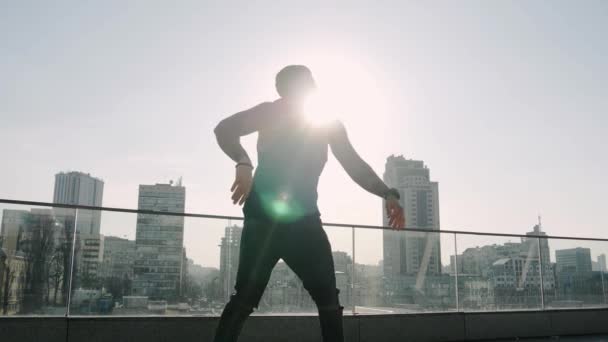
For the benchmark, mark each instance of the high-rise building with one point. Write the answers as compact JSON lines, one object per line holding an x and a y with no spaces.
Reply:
{"x":229,"y":258}
{"x":573,"y":260}
{"x":574,"y":272}
{"x":159,"y":241}
{"x":532,"y":251}
{"x":601,"y":261}
{"x":412,"y":253}
{"x":79,"y":188}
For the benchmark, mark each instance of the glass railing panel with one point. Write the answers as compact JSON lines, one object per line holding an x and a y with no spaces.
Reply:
{"x":498,"y":273}
{"x":403,"y":272}
{"x":159,"y":264}
{"x":148,"y":264}
{"x":35,"y":259}
{"x":574,"y":273}
{"x":104,"y":258}
{"x":344,"y":257}
{"x":285,"y":292}
{"x":212,"y":252}
{"x":155,"y":264}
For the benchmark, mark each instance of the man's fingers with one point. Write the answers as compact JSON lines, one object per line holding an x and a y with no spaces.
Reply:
{"x":395,"y":215}
{"x":391,"y":219}
{"x":390,"y":208}
{"x":245,"y":195}
{"x":238,"y":192}
{"x":236,"y":182}
{"x":396,"y":218}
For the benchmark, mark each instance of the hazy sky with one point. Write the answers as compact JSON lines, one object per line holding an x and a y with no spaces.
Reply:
{"x":505,"y":101}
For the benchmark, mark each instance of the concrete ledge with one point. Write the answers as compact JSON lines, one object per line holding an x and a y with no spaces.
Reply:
{"x":149,"y":329}
{"x":48,"y":329}
{"x":497,"y":325}
{"x":579,"y":322}
{"x":293,"y":329}
{"x":456,"y":326}
{"x":416,"y":327}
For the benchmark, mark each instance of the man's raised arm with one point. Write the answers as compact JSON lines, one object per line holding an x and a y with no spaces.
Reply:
{"x":364,"y":175}
{"x":353,"y":164}
{"x":230,"y":130}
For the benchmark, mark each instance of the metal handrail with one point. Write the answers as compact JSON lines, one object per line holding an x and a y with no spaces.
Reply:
{"x":326,"y":224}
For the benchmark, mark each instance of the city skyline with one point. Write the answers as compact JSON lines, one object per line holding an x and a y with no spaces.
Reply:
{"x":503,"y":275}
{"x":124,"y":226}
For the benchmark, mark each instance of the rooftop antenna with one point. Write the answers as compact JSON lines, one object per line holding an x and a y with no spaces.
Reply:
{"x":539,"y":222}
{"x":179,"y":181}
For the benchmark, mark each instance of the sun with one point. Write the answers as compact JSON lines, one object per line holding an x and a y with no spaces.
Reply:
{"x":346,"y":90}
{"x":320,"y":109}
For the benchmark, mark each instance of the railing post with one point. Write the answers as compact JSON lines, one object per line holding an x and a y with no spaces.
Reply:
{"x":456,"y":271}
{"x":603,"y":288}
{"x":73,"y":254}
{"x":540,"y":272}
{"x":354,"y":273}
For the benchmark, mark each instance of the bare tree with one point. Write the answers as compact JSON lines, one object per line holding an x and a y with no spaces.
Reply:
{"x":38,"y":247}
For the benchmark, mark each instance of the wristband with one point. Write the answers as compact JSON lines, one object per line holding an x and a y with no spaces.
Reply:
{"x":392,"y":192}
{"x":244,"y":164}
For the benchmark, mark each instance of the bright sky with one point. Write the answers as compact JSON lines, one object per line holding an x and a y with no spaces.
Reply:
{"x":506,"y":102}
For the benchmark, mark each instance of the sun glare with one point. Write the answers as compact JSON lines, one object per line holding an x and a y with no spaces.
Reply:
{"x":320,"y":110}
{"x":346,"y":91}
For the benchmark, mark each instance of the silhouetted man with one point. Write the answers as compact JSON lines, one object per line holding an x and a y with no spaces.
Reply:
{"x":282,"y":220}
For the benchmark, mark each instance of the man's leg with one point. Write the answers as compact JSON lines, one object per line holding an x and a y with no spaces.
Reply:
{"x":256,"y":261}
{"x":308,"y":253}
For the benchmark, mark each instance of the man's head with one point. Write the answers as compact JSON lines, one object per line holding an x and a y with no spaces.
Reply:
{"x":295,"y":82}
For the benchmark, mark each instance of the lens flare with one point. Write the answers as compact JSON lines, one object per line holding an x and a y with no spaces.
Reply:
{"x":319,"y":109}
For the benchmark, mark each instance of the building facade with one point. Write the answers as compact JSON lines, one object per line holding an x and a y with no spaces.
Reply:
{"x":229,"y":258}
{"x":158,"y":267}
{"x":15,"y":223}
{"x":510,"y":274}
{"x":79,"y":188}
{"x":539,"y":248}
{"x":12,"y":282}
{"x":601,"y":262}
{"x":118,"y":258}
{"x":574,"y":272}
{"x":573,"y":260}
{"x":412,"y":253}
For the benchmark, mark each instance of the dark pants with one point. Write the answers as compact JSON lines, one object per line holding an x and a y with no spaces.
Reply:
{"x":304,"y":247}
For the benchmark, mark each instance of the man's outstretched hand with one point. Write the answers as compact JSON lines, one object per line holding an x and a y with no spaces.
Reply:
{"x":242,"y":184}
{"x":394,"y":212}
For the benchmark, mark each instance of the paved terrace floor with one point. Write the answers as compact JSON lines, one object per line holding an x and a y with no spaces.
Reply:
{"x":594,"y":338}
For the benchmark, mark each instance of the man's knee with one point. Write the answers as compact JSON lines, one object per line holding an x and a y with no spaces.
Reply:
{"x":242,"y":303}
{"x":325,"y":297}
{"x":247,"y":297}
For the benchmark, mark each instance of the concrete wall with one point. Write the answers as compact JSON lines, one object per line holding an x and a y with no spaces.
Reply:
{"x":361,"y":328}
